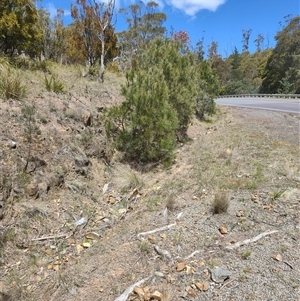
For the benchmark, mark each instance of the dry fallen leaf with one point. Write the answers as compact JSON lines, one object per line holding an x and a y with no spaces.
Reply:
{"x":92,"y":235}
{"x":139,"y":291}
{"x":86,"y":244}
{"x":202,"y":286}
{"x":156,"y":296}
{"x":277,"y":257}
{"x":163,"y":236}
{"x":151,"y":239}
{"x":189,"y":270}
{"x":191,"y":292}
{"x":111,"y":199}
{"x":79,"y":249}
{"x":180,"y":266}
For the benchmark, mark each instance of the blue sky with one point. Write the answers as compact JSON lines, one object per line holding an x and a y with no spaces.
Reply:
{"x":219,"y":20}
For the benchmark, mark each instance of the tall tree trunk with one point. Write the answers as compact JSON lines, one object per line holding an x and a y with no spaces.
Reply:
{"x":102,"y":68}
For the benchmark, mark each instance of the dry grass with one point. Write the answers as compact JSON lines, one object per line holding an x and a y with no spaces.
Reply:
{"x":220,"y":202}
{"x":124,"y":178}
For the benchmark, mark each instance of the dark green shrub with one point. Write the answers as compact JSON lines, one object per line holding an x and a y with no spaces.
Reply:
{"x":143,"y":127}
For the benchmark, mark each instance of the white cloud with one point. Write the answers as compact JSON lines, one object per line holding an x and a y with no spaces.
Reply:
{"x":53,"y":10}
{"x":191,"y":7}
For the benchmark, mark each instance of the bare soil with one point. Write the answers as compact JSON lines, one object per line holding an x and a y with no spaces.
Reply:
{"x":79,"y":225}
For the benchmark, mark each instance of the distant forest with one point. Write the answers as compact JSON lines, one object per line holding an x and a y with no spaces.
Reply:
{"x":90,"y":39}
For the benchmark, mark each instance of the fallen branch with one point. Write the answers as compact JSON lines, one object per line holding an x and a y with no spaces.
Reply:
{"x":226,"y":283}
{"x":192,"y":255}
{"x":50,"y":237}
{"x":129,"y":290}
{"x":288,"y":264}
{"x":250,"y":240}
{"x":155,"y":230}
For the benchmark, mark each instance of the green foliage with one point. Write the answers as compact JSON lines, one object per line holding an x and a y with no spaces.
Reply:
{"x":179,"y":76}
{"x":282,"y":74}
{"x":162,"y":93}
{"x":143,"y":127}
{"x":18,"y":28}
{"x":145,"y":24}
{"x":53,"y":83}
{"x":207,"y":87}
{"x":92,"y":35}
{"x":31,"y":130}
{"x":10,"y":83}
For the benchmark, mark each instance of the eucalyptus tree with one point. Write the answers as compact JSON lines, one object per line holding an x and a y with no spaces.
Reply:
{"x":281,"y":73}
{"x":145,"y":23}
{"x":18,"y":27}
{"x":94,"y":24}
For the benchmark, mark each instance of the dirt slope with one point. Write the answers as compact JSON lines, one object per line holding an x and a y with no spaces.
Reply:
{"x":75,"y":225}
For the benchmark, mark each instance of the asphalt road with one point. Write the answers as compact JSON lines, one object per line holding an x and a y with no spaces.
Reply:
{"x":272,"y":104}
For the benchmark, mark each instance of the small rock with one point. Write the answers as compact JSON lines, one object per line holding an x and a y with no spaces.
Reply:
{"x":87,"y":119}
{"x":105,"y":187}
{"x":206,"y":274}
{"x":219,"y":275}
{"x":228,"y":152}
{"x":81,"y":161}
{"x":13,"y":145}
{"x":159,"y":274}
{"x":240,"y":213}
{"x":32,"y":190}
{"x":223,"y":230}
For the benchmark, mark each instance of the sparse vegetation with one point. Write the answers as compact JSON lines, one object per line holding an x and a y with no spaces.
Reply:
{"x":11,"y":86}
{"x":144,"y":247}
{"x":245,"y":254}
{"x":69,"y":228}
{"x":220,"y":202}
{"x":54,"y":84}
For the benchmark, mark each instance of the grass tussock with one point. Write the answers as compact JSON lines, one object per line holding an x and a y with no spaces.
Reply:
{"x":220,"y":202}
{"x":54,"y":84}
{"x":124,"y":178}
{"x":11,"y":86}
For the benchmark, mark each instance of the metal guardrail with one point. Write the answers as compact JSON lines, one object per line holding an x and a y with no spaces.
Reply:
{"x":286,"y":96}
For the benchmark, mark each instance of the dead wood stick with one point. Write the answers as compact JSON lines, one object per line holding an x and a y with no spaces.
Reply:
{"x":139,"y":236}
{"x":129,"y":290}
{"x":50,"y":237}
{"x":193,"y":254}
{"x":288,"y":264}
{"x":250,"y":240}
{"x":226,"y":283}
